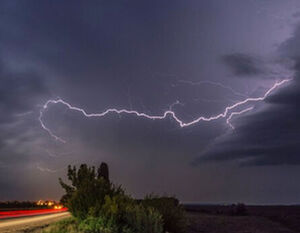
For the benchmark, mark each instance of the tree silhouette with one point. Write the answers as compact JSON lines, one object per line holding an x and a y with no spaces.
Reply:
{"x":103,"y":171}
{"x":87,"y":190}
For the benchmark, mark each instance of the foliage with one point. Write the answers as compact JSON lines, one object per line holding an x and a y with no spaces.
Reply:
{"x":114,"y":207}
{"x":101,"y":207}
{"x":69,"y":225}
{"x":123,"y":212}
{"x":87,"y":190}
{"x":103,"y":171}
{"x":89,"y":225}
{"x":141,"y":219}
{"x":172,"y":213}
{"x":98,"y":225}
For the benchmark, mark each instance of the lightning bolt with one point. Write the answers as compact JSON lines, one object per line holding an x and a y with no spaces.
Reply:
{"x":42,"y":169}
{"x":45,"y":127}
{"x":48,"y":170}
{"x":174,"y":104}
{"x":167,"y":113}
{"x":214,"y":84}
{"x":237,"y":113}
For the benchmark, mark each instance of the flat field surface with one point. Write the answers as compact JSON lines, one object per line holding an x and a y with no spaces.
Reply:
{"x":259,"y":219}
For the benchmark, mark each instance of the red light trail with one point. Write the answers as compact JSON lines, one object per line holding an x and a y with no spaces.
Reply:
{"x":24,"y":213}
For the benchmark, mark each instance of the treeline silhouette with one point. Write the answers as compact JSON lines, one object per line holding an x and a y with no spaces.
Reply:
{"x":239,"y":209}
{"x":17,"y":204}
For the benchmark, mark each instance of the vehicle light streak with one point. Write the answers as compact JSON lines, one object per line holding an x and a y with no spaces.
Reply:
{"x":23,"y":213}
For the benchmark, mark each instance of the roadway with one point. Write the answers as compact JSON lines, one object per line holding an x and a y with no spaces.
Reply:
{"x":31,"y":222}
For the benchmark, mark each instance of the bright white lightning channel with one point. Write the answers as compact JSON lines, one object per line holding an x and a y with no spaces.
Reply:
{"x":237,"y":113}
{"x":226,"y":113}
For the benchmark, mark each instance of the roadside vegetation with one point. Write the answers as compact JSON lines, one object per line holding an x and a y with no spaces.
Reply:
{"x":99,"y":206}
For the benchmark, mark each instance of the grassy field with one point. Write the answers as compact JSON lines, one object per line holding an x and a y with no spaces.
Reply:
{"x":258,"y":219}
{"x":205,"y":223}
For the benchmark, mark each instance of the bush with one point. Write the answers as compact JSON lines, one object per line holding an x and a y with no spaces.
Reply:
{"x":173,"y":214}
{"x":127,"y":216}
{"x":101,"y":207}
{"x":114,"y":207}
{"x":98,"y":225}
{"x":87,"y":190}
{"x":141,"y":219}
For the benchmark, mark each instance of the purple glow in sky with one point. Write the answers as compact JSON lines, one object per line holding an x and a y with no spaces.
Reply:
{"x":220,"y":78}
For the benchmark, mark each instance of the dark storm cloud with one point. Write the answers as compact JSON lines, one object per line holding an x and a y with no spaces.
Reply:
{"x":19,"y":92}
{"x":296,"y":14}
{"x":270,"y":136}
{"x":100,"y":55}
{"x":266,"y":138}
{"x":105,"y":32}
{"x":243,"y":64}
{"x":131,"y":54}
{"x":117,"y":47}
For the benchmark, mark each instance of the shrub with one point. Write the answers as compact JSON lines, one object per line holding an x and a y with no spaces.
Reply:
{"x":141,"y":219}
{"x":87,"y":190}
{"x":114,"y":207}
{"x":98,"y":225}
{"x":101,"y":207}
{"x":130,"y":217}
{"x":173,"y":214}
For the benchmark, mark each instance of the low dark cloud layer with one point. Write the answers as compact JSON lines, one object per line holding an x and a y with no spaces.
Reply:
{"x":270,"y":136}
{"x":19,"y":91}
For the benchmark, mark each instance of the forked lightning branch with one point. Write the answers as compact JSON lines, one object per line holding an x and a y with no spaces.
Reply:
{"x":228,"y":112}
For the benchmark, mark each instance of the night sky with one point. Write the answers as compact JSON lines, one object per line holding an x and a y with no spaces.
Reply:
{"x":192,"y":57}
